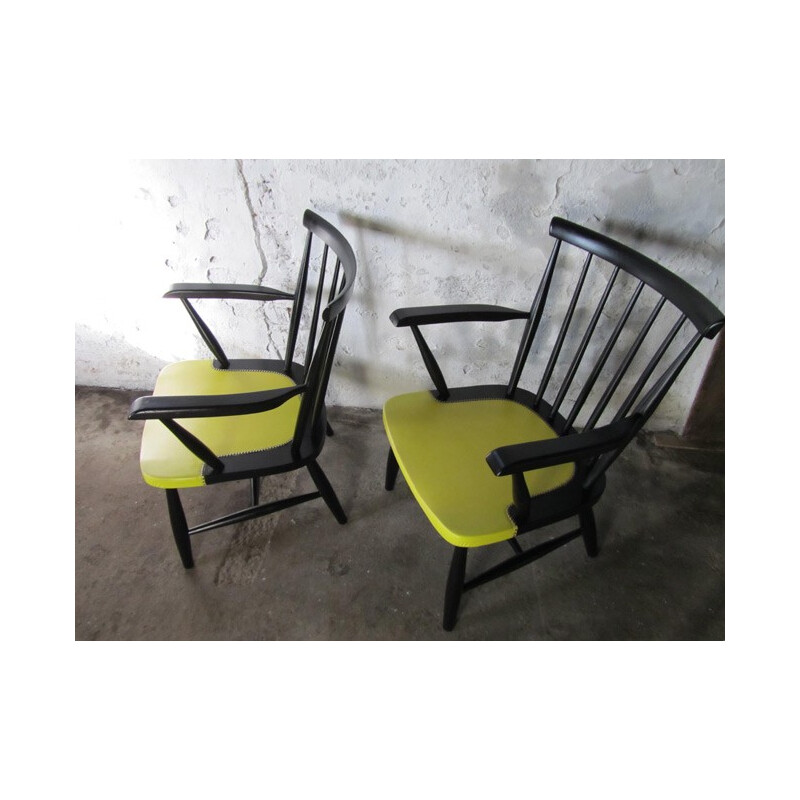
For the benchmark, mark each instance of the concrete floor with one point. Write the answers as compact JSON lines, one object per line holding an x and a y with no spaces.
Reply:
{"x":300,"y":575}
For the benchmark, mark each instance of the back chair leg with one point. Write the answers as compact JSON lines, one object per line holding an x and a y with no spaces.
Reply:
{"x":255,"y":485}
{"x":392,"y":468}
{"x":589,"y":532}
{"x":180,"y":530}
{"x":326,"y":490}
{"x":455,"y":587}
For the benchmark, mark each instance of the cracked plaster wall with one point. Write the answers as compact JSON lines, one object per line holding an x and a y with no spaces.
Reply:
{"x":424,"y":232}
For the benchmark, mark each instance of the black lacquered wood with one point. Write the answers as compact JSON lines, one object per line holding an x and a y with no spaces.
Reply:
{"x":520,"y":495}
{"x":576,"y":361}
{"x":319,"y":371}
{"x":194,"y":445}
{"x":212,"y":405}
{"x":454,"y":588}
{"x":627,"y":404}
{"x":180,"y":530}
{"x":649,"y":403}
{"x":706,"y":317}
{"x":593,"y":449}
{"x":623,"y":367}
{"x":312,"y":334}
{"x":655,"y":395}
{"x":517,"y":458}
{"x":226,"y":291}
{"x":469,"y":312}
{"x":589,"y":532}
{"x":521,"y":560}
{"x":311,"y":382}
{"x":535,"y":317}
{"x":299,"y":300}
{"x":336,"y":241}
{"x":253,"y":512}
{"x":431,"y":364}
{"x":326,"y":490}
{"x":206,"y":334}
{"x":392,"y":468}
{"x":551,"y":362}
{"x":335,"y":281}
{"x":515,"y":546}
{"x":590,"y":381}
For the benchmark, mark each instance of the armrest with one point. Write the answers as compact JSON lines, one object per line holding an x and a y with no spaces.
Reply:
{"x":472,"y":312}
{"x":517,"y":458}
{"x":214,"y":405}
{"x":225,"y":291}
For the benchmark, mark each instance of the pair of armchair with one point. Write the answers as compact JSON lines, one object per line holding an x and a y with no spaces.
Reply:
{"x":486,"y":463}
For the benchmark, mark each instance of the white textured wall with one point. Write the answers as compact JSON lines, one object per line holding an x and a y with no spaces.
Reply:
{"x":424,"y":232}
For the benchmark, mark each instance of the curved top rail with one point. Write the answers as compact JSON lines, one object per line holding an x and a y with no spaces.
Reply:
{"x":333,"y":238}
{"x":706,"y":317}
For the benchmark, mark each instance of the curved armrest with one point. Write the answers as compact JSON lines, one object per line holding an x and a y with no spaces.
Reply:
{"x":471,"y":312}
{"x":225,"y":291}
{"x":214,"y":405}
{"x":517,"y":458}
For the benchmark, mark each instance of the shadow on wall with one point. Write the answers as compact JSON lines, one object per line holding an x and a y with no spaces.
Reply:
{"x":482,"y":252}
{"x":393,"y":229}
{"x":377,"y":379}
{"x":635,"y":235}
{"x":644,"y":237}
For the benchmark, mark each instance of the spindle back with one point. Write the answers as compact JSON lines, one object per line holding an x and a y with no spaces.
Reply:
{"x":610,"y":343}
{"x":334,"y":286}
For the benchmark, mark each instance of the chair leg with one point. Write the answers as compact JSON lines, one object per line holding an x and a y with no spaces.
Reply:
{"x":328,"y":429}
{"x":516,"y":547}
{"x":455,"y":587}
{"x":326,"y":490}
{"x":391,"y":470}
{"x":589,"y":532}
{"x":255,"y":486}
{"x":180,"y":530}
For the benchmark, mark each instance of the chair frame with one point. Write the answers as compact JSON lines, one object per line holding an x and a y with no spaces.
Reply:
{"x":311,"y":381}
{"x":593,"y":449}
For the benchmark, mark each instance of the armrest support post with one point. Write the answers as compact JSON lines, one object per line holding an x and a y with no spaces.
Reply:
{"x":521,"y":495}
{"x":208,"y":337}
{"x":191,"y":442}
{"x":431,"y":364}
{"x":167,"y":408}
{"x":432,"y":315}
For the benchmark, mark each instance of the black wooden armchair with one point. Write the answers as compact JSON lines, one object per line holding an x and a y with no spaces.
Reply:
{"x":493,"y":463}
{"x":229,"y":419}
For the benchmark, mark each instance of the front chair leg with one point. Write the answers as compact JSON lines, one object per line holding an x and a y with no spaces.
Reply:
{"x":326,"y":490}
{"x":392,"y":468}
{"x":455,"y":587}
{"x":589,"y":532}
{"x":180,"y":530}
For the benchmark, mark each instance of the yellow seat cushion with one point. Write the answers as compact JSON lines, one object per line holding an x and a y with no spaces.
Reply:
{"x":167,"y":464}
{"x":441,"y":448}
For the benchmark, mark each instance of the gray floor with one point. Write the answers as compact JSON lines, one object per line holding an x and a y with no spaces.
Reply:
{"x":299,"y":575}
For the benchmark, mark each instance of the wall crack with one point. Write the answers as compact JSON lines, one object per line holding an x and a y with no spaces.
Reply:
{"x":253,"y":220}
